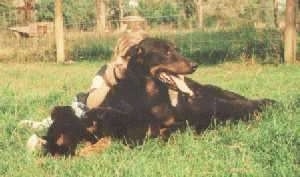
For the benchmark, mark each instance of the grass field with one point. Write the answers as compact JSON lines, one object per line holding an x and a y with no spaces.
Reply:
{"x":267,"y":146}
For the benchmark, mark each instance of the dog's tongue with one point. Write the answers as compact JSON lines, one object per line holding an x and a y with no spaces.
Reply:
{"x":181,"y":85}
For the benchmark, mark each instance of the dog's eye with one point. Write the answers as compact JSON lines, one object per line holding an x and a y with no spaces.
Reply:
{"x":168,"y":52}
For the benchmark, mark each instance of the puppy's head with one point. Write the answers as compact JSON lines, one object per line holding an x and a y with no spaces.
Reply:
{"x":65,"y":132}
{"x":62,"y":113}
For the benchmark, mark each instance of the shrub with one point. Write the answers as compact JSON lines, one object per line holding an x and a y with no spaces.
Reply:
{"x":217,"y":47}
{"x":203,"y":47}
{"x":92,"y":49}
{"x":80,"y":14}
{"x":163,"y":12}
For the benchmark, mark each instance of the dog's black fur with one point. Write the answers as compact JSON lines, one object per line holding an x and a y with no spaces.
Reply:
{"x":140,"y":102}
{"x":66,"y":132}
{"x":208,"y":103}
{"x":214,"y":103}
{"x":141,"y":94}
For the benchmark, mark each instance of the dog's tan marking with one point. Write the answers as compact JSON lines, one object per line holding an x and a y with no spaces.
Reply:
{"x":63,"y":140}
{"x":98,"y":147}
{"x":92,"y":129}
{"x":170,"y":121}
{"x":151,"y":88}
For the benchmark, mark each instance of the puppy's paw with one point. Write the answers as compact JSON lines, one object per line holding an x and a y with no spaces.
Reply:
{"x":35,"y":143}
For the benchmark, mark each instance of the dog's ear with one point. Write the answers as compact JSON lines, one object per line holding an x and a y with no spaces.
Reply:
{"x":55,"y":113}
{"x":135,"y":51}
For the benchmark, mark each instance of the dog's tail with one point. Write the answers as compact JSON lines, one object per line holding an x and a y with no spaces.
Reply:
{"x":266,"y":102}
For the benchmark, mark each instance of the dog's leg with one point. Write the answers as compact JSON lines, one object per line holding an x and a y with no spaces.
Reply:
{"x":154,"y":129}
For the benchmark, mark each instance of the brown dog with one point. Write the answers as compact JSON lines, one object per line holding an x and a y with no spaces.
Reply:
{"x":152,"y":65}
{"x":139,"y":103}
{"x":114,"y":70}
{"x":159,"y":62}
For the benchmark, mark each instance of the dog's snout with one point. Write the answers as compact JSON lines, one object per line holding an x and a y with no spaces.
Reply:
{"x":194,"y":65}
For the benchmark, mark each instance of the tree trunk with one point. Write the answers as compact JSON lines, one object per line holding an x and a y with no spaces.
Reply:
{"x":59,"y":32}
{"x":276,"y":23}
{"x":100,"y":16}
{"x":199,"y":6}
{"x":290,"y":32}
{"x":121,"y":6}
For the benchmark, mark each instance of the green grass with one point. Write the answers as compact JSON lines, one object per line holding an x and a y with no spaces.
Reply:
{"x":268,"y":146}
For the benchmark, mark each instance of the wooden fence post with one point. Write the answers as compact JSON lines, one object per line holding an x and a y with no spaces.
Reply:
{"x":100,"y":16}
{"x":59,"y":32}
{"x":290,"y":32}
{"x":121,"y":6}
{"x":199,"y":9}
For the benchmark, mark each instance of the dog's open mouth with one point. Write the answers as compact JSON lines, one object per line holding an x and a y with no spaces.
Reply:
{"x":175,"y":81}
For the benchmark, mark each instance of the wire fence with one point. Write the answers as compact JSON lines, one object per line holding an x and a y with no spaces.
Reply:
{"x":248,"y":35}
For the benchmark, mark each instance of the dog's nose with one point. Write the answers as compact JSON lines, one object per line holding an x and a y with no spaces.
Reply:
{"x":194,"y":65}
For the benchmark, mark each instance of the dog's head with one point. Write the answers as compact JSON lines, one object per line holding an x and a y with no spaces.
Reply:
{"x":160,"y":59}
{"x":66,"y":132}
{"x":117,"y":67}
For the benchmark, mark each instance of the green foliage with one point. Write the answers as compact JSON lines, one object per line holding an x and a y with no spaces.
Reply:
{"x":77,"y":13}
{"x":162,"y":12}
{"x":182,"y":13}
{"x":45,"y":10}
{"x":5,"y":13}
{"x":226,"y":13}
{"x":92,"y":48}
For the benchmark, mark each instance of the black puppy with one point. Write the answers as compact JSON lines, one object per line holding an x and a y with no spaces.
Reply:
{"x":66,"y":131}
